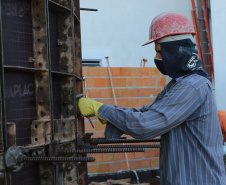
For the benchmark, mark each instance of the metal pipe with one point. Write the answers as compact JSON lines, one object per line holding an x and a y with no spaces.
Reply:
{"x":108,"y":141}
{"x":58,"y":159}
{"x":89,"y":9}
{"x":115,"y":150}
{"x":125,"y":146}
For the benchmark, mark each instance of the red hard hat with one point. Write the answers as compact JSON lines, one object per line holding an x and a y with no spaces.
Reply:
{"x":169,"y":23}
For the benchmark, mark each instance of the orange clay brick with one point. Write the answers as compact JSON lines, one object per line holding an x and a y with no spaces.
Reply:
{"x":123,"y":166}
{"x":161,"y":81}
{"x":145,"y":163}
{"x":119,"y":156}
{"x":103,"y":72}
{"x":122,"y":102}
{"x":131,"y":82}
{"x":99,"y":126}
{"x":106,"y":93}
{"x":145,"y":71}
{"x":119,"y":82}
{"x":134,"y":165}
{"x":137,"y":93}
{"x":141,"y":82}
{"x":103,"y":168}
{"x":151,"y":82}
{"x":108,"y":157}
{"x":107,"y":101}
{"x":135,"y":71}
{"x":125,"y":71}
{"x":155,"y":92}
{"x":154,"y":71}
{"x":115,"y":71}
{"x":99,"y":82}
{"x":131,"y":155}
{"x":157,"y":152}
{"x":127,"y":92}
{"x":139,"y":155}
{"x":88,"y":127}
{"x":114,"y":167}
{"x":87,"y":93}
{"x":98,"y":134}
{"x":92,"y":168}
{"x":132,"y":102}
{"x":98,"y":157}
{"x":146,"y":92}
{"x":107,"y":82}
{"x":94,"y":93}
{"x":89,"y":82}
{"x":118,"y":92}
{"x":127,"y":102}
{"x":150,"y":153}
{"x":84,"y":71}
{"x":93,"y":72}
{"x":128,"y":136}
{"x":154,"y":162}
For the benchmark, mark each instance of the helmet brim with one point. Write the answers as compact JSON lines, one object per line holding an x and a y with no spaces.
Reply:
{"x":149,"y":42}
{"x":153,"y":40}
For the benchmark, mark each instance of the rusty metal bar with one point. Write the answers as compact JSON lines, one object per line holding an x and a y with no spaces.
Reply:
{"x":25,"y":69}
{"x":108,"y":141}
{"x":62,"y":74}
{"x":58,"y":159}
{"x":89,"y":9}
{"x":49,"y":66}
{"x":124,"y":146}
{"x":58,"y":7}
{"x":94,"y":151}
{"x":2,"y":93}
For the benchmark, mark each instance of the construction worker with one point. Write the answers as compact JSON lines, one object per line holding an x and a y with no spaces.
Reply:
{"x":184,"y":113}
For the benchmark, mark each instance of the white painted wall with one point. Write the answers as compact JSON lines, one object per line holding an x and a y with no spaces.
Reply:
{"x":218,"y":17}
{"x":120,"y":27}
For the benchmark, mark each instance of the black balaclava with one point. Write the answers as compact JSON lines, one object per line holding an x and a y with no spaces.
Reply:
{"x":180,"y":58}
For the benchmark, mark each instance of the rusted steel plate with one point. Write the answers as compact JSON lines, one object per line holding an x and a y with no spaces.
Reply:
{"x":40,"y":132}
{"x":67,"y":97}
{"x":69,"y":174}
{"x":64,"y":130}
{"x":11,"y":134}
{"x":39,"y":33}
{"x":47,"y":175}
{"x":42,"y":95}
{"x":65,"y":37}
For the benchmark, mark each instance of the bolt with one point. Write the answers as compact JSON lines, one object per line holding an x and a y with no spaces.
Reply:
{"x":45,"y":176}
{"x":69,"y":178}
{"x":42,"y":113}
{"x":38,"y":28}
{"x":41,"y":102}
{"x":68,"y":168}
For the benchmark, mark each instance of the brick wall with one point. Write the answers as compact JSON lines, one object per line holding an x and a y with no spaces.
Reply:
{"x":134,"y":87}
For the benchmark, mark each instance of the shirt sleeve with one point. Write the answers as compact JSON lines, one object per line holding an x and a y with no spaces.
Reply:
{"x":180,"y":102}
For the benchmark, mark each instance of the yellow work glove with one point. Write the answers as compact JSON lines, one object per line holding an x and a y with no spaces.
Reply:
{"x":90,"y":107}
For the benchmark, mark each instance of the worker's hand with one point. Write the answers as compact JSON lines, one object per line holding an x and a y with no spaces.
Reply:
{"x":90,"y":107}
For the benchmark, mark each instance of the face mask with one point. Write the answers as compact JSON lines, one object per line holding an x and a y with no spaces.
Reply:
{"x":160,"y":66}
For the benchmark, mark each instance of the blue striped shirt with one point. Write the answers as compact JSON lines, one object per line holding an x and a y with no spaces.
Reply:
{"x":184,"y":114}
